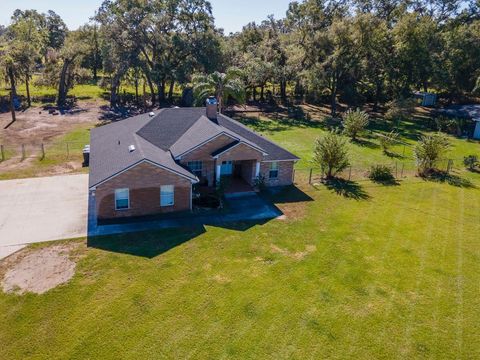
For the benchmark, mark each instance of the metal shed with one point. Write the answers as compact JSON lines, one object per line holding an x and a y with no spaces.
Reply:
{"x":471,"y":111}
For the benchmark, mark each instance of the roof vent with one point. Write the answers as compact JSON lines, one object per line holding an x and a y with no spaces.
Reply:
{"x":151,"y":114}
{"x":131,"y":148}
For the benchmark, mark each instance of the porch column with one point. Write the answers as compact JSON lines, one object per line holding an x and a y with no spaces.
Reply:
{"x":257,"y":169}
{"x":218,"y":173}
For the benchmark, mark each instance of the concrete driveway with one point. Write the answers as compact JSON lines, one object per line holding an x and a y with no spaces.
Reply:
{"x":42,"y":209}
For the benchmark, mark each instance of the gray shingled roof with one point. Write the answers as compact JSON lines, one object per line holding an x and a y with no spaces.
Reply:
{"x":161,"y":138}
{"x":109,"y":153}
{"x":274,"y":152}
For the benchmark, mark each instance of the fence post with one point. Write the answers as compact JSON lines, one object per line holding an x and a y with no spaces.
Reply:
{"x":3,"y":152}
{"x":310,"y":177}
{"x":396,"y":170}
{"x":43,"y":151}
{"x":401,"y":175}
{"x":350,"y":173}
{"x":68,"y":151}
{"x":23,"y":152}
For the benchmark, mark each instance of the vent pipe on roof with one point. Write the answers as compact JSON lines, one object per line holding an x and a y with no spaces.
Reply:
{"x":131,"y":148}
{"x":212,"y":108}
{"x":152,"y":114}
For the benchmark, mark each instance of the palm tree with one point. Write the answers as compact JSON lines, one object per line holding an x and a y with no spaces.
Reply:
{"x":222,"y":85}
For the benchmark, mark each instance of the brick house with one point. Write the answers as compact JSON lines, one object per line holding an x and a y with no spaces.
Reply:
{"x":150,"y":164}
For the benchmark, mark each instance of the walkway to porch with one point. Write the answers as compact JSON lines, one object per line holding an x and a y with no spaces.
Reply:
{"x":236,"y":184}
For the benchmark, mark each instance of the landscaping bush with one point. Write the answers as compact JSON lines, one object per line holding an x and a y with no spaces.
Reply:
{"x":388,"y":140}
{"x":471,"y":162}
{"x":260,"y":183}
{"x":354,"y":122}
{"x":381,"y":173}
{"x":331,"y":153}
{"x":429,"y":150}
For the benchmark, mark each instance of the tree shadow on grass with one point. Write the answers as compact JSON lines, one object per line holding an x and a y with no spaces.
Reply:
{"x":392,"y":154}
{"x":347,"y":188}
{"x":365,"y":143}
{"x":387,"y":182}
{"x":448,"y":178}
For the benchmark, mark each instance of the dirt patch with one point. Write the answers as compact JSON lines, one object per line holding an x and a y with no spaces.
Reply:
{"x":299,"y":255}
{"x":35,"y":125}
{"x":38,"y":270}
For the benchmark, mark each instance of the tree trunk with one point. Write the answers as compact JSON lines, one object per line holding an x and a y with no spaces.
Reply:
{"x":144,"y":95}
{"x":161,"y":91}
{"x":12,"y":109}
{"x":114,"y":88}
{"x":254,"y":93}
{"x":62,"y":86}
{"x":378,"y":91}
{"x":170,"y":90}
{"x":136,"y":89}
{"x":283,"y":91}
{"x":333,"y":101}
{"x":27,"y":86}
{"x":262,"y":93}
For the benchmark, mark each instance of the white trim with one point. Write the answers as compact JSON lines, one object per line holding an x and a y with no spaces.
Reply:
{"x":234,"y":146}
{"x":179,"y":157}
{"x":269,"y":161}
{"x":138,"y":163}
{"x":191,"y":197}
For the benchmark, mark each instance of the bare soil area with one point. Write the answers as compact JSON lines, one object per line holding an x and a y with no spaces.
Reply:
{"x":38,"y":270}
{"x":36,"y":125}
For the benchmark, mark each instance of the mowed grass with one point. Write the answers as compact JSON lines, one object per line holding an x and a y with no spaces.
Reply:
{"x":393,"y":276}
{"x":388,"y":272}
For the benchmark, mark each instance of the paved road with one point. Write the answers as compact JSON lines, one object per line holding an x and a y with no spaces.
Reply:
{"x":42,"y":209}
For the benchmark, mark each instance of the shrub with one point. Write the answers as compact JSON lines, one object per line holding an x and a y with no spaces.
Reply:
{"x":471,"y":162}
{"x":388,"y":140}
{"x":381,"y":173}
{"x":454,"y":126}
{"x":354,"y":122}
{"x":260,"y":183}
{"x":429,"y":150}
{"x":331,"y":153}
{"x":400,"y":110}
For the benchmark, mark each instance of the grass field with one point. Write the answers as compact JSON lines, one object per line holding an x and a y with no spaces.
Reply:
{"x":395,"y":275}
{"x":388,"y":272}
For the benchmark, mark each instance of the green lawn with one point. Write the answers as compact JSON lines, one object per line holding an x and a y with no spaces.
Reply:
{"x":373,"y":272}
{"x":392,"y":276}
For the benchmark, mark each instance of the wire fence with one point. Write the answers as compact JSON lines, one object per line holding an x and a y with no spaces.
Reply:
{"x":358,"y":172}
{"x":57,"y":150}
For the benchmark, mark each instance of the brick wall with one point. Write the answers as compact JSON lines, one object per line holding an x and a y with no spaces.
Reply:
{"x":205,"y":151}
{"x":144,"y":181}
{"x":285,"y":173}
{"x":240,"y":152}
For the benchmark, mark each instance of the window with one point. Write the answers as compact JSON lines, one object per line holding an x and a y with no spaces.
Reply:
{"x":196,"y":168}
{"x":167,"y":195}
{"x":273,"y":174}
{"x":122,"y":199}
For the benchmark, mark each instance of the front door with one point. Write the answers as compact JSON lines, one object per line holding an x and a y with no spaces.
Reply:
{"x":226,"y":168}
